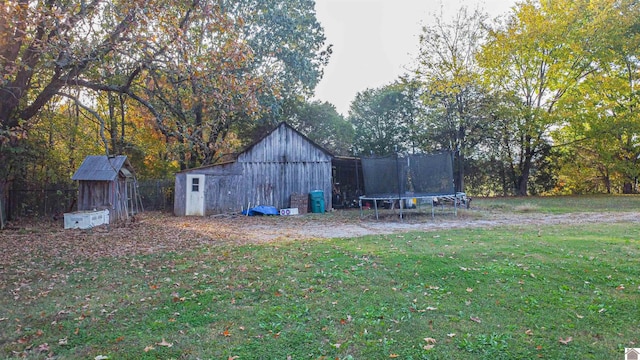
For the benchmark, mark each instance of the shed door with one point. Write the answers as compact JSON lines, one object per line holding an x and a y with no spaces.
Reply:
{"x":195,"y":195}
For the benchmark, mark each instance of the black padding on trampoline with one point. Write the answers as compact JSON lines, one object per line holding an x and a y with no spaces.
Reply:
{"x":432,"y":174}
{"x":417,"y":175}
{"x":383,"y":175}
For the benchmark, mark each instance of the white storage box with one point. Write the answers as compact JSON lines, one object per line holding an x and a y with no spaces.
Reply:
{"x":86,"y":219}
{"x":289,"y":211}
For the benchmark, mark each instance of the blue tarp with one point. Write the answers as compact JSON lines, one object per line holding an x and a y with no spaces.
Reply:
{"x":261,"y":210}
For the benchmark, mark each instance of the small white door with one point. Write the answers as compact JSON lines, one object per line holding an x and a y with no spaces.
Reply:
{"x":195,"y":195}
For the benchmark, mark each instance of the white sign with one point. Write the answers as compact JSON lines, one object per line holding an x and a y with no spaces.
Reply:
{"x":289,"y":211}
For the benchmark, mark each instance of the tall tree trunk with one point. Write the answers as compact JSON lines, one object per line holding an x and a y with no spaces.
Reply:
{"x":113,"y":125}
{"x":460,"y":178}
{"x":607,"y":180}
{"x":461,"y":158}
{"x":122,"y":119}
{"x":522,"y":186}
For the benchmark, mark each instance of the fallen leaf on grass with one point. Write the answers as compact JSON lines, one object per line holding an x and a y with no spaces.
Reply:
{"x":469,"y":290}
{"x":393,"y":356}
{"x":565,"y":341}
{"x":233,"y":357}
{"x":430,"y":340}
{"x":579,"y":316}
{"x":451,"y":335}
{"x":428,"y":347}
{"x":476,"y":319}
{"x":62,"y":341}
{"x":148,"y":348}
{"x":226,"y":333}
{"x":164,"y":343}
{"x":101,"y":357}
{"x":620,"y":287}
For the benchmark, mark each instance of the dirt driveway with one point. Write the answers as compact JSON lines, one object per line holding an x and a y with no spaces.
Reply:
{"x":337,"y":226}
{"x":160,"y":232}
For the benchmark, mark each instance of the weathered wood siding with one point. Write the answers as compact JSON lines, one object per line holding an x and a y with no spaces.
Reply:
{"x":267,"y":173}
{"x":223,"y":186}
{"x":93,"y":194}
{"x":223,"y":189}
{"x":180,"y":195}
{"x":283,"y":163}
{"x":100,"y":195}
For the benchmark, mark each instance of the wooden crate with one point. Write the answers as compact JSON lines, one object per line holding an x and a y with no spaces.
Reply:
{"x":300,"y":201}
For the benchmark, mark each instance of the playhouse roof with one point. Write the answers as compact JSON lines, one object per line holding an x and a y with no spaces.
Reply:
{"x":102,"y":168}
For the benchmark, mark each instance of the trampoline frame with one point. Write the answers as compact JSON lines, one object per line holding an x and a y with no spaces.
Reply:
{"x":458,"y":197}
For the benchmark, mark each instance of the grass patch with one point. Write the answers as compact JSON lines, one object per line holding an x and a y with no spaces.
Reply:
{"x":502,"y":293}
{"x":560,"y":204}
{"x":527,"y":208}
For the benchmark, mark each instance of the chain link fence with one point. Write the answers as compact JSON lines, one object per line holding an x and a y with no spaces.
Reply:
{"x":56,"y":199}
{"x":156,"y":195}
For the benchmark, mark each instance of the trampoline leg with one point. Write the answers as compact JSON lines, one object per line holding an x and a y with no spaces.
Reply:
{"x":455,"y":205}
{"x":375,"y":206}
{"x":433,"y":209}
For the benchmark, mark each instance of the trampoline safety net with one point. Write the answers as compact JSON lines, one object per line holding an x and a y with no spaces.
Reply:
{"x":410,"y":175}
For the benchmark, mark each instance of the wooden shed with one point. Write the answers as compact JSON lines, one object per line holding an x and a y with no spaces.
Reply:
{"x":107,"y":182}
{"x":268,"y":172}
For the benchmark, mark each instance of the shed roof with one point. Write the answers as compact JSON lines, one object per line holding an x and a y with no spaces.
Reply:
{"x":285,"y":124}
{"x":250,"y":146}
{"x":101,"y":168}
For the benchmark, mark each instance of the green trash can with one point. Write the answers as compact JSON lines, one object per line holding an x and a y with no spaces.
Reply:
{"x":317,"y":201}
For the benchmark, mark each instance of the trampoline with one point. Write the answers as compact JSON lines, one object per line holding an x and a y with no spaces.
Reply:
{"x":411,"y":179}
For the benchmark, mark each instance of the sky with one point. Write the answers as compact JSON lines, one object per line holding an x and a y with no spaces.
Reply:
{"x":375,"y":41}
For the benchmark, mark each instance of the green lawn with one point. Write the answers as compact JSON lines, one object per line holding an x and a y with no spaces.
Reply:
{"x":561,"y":204}
{"x":552,"y":292}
